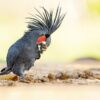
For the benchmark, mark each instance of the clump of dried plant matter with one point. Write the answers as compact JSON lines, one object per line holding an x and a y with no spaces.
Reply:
{"x":75,"y":76}
{"x":64,"y":76}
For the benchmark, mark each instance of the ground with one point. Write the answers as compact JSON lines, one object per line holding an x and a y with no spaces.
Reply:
{"x":77,"y":80}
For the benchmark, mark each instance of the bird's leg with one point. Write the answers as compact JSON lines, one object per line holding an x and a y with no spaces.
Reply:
{"x":19,"y":71}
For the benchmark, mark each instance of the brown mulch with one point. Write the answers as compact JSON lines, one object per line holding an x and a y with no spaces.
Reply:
{"x":76,"y":76}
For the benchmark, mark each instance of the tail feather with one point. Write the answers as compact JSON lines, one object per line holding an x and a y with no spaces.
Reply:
{"x":5,"y":70}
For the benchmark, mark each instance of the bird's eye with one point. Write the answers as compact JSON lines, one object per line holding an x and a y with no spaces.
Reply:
{"x":41,"y":39}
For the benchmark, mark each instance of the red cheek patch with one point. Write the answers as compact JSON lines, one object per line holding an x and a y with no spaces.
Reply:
{"x":41,"y":39}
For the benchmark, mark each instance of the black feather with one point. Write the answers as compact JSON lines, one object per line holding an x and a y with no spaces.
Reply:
{"x":46,"y":21}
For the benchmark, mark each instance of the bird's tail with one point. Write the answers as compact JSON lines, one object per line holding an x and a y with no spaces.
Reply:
{"x":5,"y":70}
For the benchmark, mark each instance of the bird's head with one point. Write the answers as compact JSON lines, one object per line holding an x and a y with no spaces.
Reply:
{"x":45,"y":23}
{"x":43,"y":42}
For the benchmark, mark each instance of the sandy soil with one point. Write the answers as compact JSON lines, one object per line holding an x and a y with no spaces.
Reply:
{"x":51,"y":92}
{"x":78,"y":80}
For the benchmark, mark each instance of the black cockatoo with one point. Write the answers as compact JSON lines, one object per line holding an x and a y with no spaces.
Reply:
{"x":24,"y":52}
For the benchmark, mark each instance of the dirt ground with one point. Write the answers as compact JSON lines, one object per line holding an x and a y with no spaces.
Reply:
{"x":78,"y":80}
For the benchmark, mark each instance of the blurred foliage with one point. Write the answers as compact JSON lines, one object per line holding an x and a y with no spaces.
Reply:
{"x":94,"y":6}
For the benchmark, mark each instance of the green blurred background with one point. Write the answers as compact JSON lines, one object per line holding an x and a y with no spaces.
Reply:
{"x":78,"y":36}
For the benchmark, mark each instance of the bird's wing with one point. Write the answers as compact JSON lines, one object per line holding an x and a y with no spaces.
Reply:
{"x":12,"y":55}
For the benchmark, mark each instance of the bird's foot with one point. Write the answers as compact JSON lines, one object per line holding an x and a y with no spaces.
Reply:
{"x":22,"y":79}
